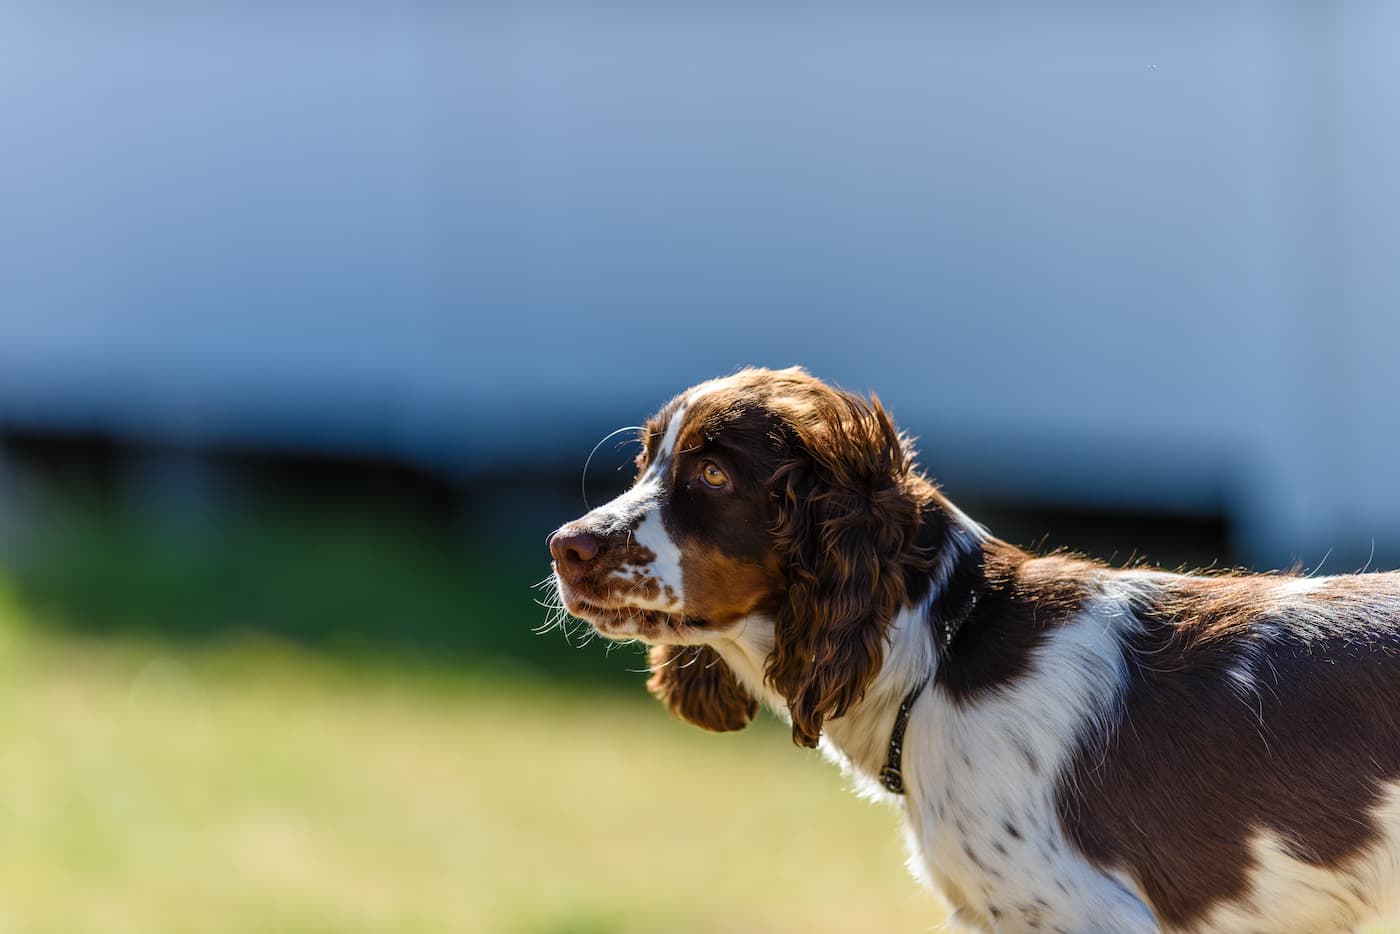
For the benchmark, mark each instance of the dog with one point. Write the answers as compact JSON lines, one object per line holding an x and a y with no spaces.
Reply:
{"x":1075,"y":748}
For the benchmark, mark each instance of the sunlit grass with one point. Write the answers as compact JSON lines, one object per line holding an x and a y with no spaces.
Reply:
{"x":256,"y":789}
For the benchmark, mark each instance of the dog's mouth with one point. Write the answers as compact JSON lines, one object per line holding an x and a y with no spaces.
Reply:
{"x":618,"y":620}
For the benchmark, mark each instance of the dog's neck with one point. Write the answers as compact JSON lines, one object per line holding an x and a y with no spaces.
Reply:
{"x":920,"y":636}
{"x":859,"y":740}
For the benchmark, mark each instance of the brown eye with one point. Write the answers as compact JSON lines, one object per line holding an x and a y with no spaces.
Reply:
{"x":713,"y":476}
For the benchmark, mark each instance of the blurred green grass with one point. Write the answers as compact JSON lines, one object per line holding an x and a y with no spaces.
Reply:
{"x":256,"y":789}
{"x":339,"y":721}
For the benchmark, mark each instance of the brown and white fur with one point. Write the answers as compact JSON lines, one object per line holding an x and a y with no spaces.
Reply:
{"x":1098,"y":750}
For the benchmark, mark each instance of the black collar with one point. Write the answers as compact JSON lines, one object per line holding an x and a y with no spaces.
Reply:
{"x":892,"y":775}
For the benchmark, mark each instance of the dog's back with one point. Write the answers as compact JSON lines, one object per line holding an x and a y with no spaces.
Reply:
{"x":1251,"y":777}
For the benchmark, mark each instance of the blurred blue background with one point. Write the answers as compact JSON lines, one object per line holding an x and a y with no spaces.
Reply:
{"x":1124,"y":256}
{"x":310,"y":312}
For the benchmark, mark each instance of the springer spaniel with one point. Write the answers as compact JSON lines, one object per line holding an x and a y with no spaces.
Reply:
{"x":1076,"y":748}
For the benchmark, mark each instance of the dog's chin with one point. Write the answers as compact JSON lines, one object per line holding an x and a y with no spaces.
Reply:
{"x":623,"y":623}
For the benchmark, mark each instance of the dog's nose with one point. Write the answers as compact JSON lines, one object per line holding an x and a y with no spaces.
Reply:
{"x":572,"y":550}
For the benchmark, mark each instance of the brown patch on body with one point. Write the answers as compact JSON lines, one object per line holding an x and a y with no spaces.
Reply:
{"x":1023,"y":599}
{"x":1200,"y":764}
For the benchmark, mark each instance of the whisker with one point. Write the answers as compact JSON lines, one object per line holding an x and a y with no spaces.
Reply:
{"x":694,"y":657}
{"x":651,"y":669}
{"x":583,"y":480}
{"x":558,"y":616}
{"x":636,"y":586}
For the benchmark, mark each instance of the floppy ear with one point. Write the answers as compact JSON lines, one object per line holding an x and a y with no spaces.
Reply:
{"x":848,"y":525}
{"x":696,"y":685}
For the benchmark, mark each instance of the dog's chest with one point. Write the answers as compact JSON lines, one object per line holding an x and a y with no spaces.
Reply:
{"x":985,"y":825}
{"x":991,"y":846}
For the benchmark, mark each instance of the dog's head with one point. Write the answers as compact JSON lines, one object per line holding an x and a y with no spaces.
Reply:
{"x":766,"y":493}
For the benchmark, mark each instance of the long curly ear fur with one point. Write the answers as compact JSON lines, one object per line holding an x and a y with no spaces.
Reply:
{"x":696,"y":685}
{"x":848,"y":526}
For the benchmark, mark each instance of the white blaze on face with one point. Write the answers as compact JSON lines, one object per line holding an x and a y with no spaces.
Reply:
{"x":651,"y":532}
{"x":665,"y":568}
{"x":668,"y":441}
